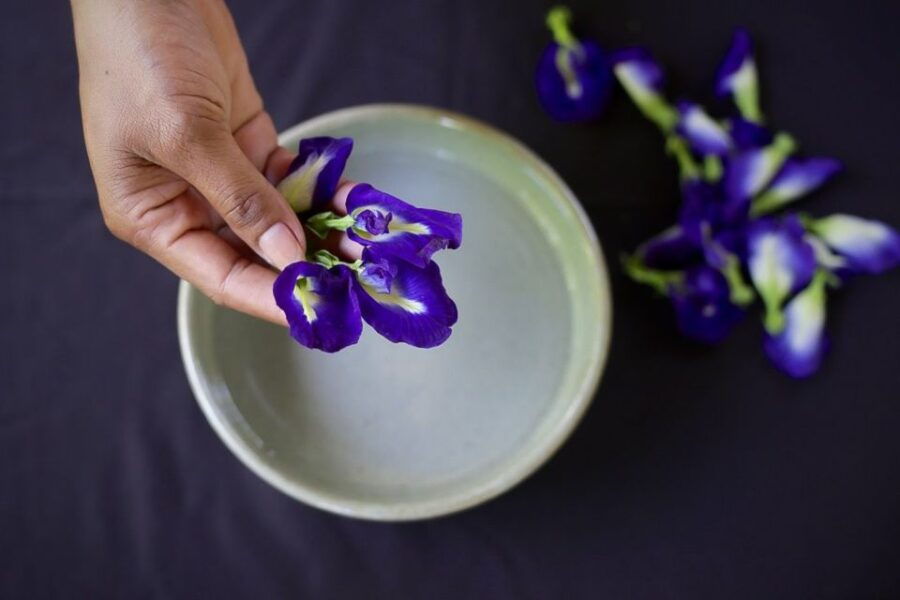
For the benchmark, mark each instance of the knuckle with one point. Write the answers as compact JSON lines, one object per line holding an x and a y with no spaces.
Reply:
{"x":180,"y":131}
{"x":115,"y":227}
{"x":243,"y":206}
{"x":221,"y":294}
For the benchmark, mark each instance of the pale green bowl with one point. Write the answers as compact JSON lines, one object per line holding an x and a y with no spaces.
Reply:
{"x":391,"y":432}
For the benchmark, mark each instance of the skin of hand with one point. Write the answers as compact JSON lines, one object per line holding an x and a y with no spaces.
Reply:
{"x":182,"y":151}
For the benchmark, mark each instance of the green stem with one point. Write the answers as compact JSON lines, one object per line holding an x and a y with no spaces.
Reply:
{"x":558,"y":23}
{"x":320,"y":224}
{"x":661,"y":281}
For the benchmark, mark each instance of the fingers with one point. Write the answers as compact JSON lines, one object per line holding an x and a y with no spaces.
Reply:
{"x":219,"y":271}
{"x":226,"y":170}
{"x":339,"y":202}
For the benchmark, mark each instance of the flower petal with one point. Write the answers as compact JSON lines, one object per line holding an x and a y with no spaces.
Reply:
{"x":703,"y":309}
{"x":573,"y":84}
{"x":748,"y":172}
{"x":313,"y":176}
{"x":796,"y":178}
{"x":573,"y":79}
{"x":746,"y":134}
{"x":825,"y":258}
{"x":737,"y":78}
{"x":671,"y":249}
{"x":320,"y":306}
{"x":378,"y":274}
{"x":780,"y":262}
{"x":413,"y":234}
{"x":701,"y":131}
{"x":416,"y":310}
{"x":642,"y":78}
{"x":868,"y":246}
{"x":799,"y":347}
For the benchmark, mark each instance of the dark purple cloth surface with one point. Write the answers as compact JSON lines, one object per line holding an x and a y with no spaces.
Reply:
{"x":697,"y":473}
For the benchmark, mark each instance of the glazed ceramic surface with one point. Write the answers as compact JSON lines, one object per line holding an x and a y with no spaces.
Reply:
{"x":390,"y":432}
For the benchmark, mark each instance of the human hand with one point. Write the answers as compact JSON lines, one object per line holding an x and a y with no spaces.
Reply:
{"x":182,"y":151}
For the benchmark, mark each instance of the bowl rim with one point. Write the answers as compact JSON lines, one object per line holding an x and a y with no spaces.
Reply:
{"x":518,"y":470}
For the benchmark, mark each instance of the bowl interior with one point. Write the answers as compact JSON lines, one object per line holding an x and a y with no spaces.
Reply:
{"x":389,"y":431}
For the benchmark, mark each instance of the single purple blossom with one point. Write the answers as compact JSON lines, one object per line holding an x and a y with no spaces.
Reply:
{"x":320,"y":307}
{"x":780,"y":261}
{"x":643,"y":80}
{"x":412,"y":234}
{"x":749,"y":171}
{"x":313,"y":176}
{"x":796,"y":178}
{"x":798,"y":348}
{"x":867,"y":246}
{"x":703,"y":307}
{"x":573,"y":78}
{"x":737,"y":78}
{"x":416,"y":310}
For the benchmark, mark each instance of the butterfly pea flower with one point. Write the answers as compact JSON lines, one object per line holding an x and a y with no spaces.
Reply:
{"x":325,"y":306}
{"x":313,"y":176}
{"x":737,"y":78}
{"x":413,"y":307}
{"x":703,"y":308}
{"x":670,"y":250}
{"x":745,"y":134}
{"x":704,"y":134}
{"x":320,"y":306}
{"x":825,"y":256}
{"x":643,"y":79}
{"x":796,"y":178}
{"x":391,"y":227}
{"x":780,"y":262}
{"x":798,"y":348}
{"x":573,"y":78}
{"x":748,"y":172}
{"x":867,"y":246}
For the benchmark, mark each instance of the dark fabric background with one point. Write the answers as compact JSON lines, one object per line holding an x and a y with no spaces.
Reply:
{"x":697,"y":473}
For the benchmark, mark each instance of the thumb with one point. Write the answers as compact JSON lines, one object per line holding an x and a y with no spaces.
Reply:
{"x":249,"y":204}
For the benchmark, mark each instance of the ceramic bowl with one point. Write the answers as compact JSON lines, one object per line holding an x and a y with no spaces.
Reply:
{"x":390,"y":432}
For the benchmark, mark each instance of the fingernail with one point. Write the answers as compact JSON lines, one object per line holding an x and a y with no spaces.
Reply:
{"x":279,"y":246}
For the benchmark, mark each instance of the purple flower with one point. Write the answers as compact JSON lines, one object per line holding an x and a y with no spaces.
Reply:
{"x":416,"y":309}
{"x":319,"y":305}
{"x":798,"y":348}
{"x":867,"y":246}
{"x":746,"y":134}
{"x":313,"y":176}
{"x":643,"y":79}
{"x":573,"y":78}
{"x":749,"y":171}
{"x":408,"y":233}
{"x":703,"y":308}
{"x":325,"y":307}
{"x":671,"y":249}
{"x":737,"y":78}
{"x":373,"y":221}
{"x":796,"y":178}
{"x":780,"y":261}
{"x":704,"y":134}
{"x":377,"y":274}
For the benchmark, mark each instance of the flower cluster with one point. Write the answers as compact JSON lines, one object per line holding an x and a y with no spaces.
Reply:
{"x":735,"y":173}
{"x":573,"y":78}
{"x":395,"y":287}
